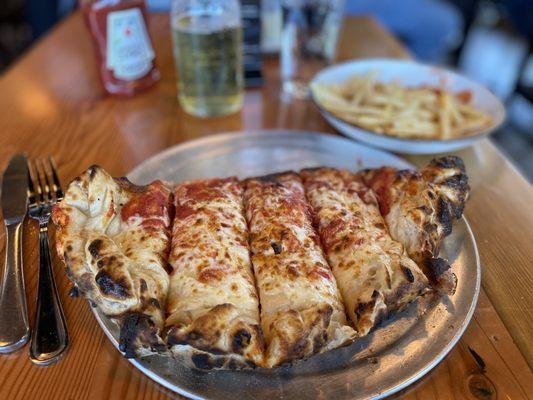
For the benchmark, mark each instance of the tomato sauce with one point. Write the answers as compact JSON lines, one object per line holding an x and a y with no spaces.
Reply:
{"x":151,"y":204}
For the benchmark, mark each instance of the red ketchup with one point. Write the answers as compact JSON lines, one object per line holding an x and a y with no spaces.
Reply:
{"x":123,"y":46}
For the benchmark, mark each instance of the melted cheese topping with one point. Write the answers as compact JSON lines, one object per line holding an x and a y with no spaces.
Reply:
{"x":291,"y":271}
{"x":114,"y":239}
{"x":210,"y":257}
{"x":373,"y":272}
{"x":420,"y":208}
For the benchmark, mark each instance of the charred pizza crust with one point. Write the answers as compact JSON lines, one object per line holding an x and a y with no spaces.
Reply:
{"x":301,"y":309}
{"x":374,"y":273}
{"x":235,"y":243}
{"x":213,"y":308}
{"x":420,"y":208}
{"x":114,"y":239}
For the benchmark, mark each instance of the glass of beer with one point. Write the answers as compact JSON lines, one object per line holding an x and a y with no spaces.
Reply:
{"x":207,"y":40}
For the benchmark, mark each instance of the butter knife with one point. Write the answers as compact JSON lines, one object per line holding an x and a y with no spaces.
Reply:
{"x":14,"y":327}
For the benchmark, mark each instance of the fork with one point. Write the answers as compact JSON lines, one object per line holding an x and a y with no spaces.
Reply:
{"x":49,"y":338}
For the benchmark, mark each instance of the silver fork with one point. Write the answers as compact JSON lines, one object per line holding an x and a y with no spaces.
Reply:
{"x":49,"y":338}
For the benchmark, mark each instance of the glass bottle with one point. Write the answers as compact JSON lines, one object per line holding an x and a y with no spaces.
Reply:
{"x":123,"y":47}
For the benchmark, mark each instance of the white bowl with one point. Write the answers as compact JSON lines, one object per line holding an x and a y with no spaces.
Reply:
{"x":410,"y":73}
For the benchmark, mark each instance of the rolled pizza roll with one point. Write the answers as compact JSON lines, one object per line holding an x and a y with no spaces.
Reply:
{"x":301,"y":310}
{"x":213,"y":308}
{"x":114,"y":238}
{"x":373,"y":272}
{"x":420,"y":207}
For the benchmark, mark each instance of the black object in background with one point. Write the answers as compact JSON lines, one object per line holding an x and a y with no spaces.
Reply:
{"x":251,"y":29}
{"x":24,"y":21}
{"x":41,"y":15}
{"x":15,"y":32}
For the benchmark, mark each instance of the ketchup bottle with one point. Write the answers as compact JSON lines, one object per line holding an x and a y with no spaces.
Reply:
{"x":123,"y":47}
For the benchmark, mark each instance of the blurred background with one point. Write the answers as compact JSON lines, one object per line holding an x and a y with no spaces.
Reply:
{"x":489,"y":41}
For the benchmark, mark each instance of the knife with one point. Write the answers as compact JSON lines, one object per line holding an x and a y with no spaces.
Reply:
{"x":14,"y":327}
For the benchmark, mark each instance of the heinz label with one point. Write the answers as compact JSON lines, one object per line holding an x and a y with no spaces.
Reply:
{"x":129,"y":51}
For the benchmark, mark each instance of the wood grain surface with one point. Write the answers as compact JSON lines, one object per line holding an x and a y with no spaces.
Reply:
{"x":51,"y":104}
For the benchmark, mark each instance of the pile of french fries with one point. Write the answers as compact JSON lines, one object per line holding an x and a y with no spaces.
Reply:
{"x":406,"y":112}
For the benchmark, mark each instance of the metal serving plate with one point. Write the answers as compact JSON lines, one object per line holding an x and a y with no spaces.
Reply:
{"x":395,"y":355}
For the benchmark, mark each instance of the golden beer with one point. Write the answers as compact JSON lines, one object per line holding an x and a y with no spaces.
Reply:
{"x":208,"y":53}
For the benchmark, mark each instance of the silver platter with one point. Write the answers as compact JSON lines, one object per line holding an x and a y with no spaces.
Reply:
{"x":395,"y":355}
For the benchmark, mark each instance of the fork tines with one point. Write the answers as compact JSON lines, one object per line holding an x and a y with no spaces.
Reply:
{"x":43,"y":182}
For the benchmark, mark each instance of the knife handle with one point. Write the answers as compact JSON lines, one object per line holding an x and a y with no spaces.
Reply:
{"x":49,"y":338}
{"x":14,"y":327}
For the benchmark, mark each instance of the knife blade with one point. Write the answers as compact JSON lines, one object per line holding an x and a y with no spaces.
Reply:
{"x":14,"y":327}
{"x":14,"y":197}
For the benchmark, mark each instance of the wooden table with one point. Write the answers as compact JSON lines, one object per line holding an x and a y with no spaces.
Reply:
{"x":51,"y":103}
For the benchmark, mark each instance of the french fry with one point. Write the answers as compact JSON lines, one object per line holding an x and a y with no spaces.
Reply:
{"x":390,"y":108}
